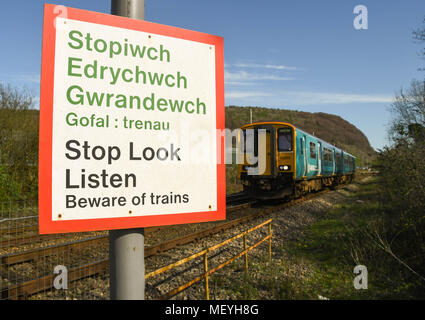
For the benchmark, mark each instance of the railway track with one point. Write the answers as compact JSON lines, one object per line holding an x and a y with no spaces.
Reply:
{"x":38,"y":254}
{"x":33,"y":286}
{"x":99,"y":267}
{"x":238,"y":199}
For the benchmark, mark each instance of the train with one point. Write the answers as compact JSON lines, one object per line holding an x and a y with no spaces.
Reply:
{"x":279,"y":160}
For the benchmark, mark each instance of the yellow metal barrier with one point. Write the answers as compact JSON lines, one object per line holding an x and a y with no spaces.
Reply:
{"x":205,"y":252}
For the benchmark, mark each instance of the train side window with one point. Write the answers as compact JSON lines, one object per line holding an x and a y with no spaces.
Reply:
{"x":327,"y":155}
{"x":284,"y":139}
{"x":339,"y":159}
{"x":312,"y":150}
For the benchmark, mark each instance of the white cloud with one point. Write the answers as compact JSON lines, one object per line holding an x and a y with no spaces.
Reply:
{"x":246,"y":94}
{"x":239,"y":76}
{"x":265,"y":66}
{"x":246,"y":76}
{"x":239,"y":83}
{"x":305,"y":98}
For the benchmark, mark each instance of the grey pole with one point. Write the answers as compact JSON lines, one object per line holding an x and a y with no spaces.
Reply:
{"x":134,"y":9}
{"x":127,"y":264}
{"x":127,"y":247}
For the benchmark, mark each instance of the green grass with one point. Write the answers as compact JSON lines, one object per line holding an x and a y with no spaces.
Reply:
{"x":321,"y":262}
{"x":328,"y":246}
{"x":344,"y":238}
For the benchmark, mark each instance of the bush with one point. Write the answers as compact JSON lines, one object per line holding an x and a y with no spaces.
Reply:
{"x":9,"y":189}
{"x":18,"y":143}
{"x":397,"y":237}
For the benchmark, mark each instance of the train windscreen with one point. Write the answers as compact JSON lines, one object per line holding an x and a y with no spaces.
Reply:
{"x":250,"y":140}
{"x":284,"y":139}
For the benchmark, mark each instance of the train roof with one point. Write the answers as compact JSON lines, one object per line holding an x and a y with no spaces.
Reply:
{"x":291,"y":125}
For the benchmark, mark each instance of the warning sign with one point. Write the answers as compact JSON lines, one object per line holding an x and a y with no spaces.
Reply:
{"x":130,"y":120}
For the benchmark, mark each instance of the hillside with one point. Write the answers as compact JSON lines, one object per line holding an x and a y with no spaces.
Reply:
{"x":328,"y":127}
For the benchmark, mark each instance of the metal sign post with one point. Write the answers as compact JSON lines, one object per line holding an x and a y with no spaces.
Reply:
{"x":134,"y":9}
{"x":126,"y":247}
{"x":127,"y":264}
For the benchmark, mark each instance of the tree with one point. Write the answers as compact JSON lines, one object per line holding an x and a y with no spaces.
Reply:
{"x":408,"y":110}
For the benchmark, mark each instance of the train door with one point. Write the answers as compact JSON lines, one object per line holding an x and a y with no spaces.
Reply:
{"x":258,"y":150}
{"x":319,"y":158}
{"x":267,"y":161}
{"x":304,"y":148}
{"x":333,"y":161}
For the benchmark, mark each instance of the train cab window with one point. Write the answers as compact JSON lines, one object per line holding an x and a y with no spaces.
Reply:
{"x":312,"y":150}
{"x":284,"y":139}
{"x":250,"y":139}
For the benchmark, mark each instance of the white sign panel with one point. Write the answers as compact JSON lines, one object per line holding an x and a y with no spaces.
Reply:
{"x":133,"y":124}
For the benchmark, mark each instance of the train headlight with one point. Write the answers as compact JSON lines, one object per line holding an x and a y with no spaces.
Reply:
{"x":284,"y":168}
{"x":246,"y":167}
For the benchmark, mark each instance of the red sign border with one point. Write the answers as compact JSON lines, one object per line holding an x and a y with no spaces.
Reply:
{"x":46,"y":224}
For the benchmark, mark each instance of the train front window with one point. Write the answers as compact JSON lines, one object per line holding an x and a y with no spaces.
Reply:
{"x":251,"y":138}
{"x":284,"y":139}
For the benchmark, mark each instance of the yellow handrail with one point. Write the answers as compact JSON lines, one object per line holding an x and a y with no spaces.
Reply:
{"x":205,"y":252}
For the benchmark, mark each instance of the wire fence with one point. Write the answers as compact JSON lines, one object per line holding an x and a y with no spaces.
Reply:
{"x":76,"y":265}
{"x":34,"y":266}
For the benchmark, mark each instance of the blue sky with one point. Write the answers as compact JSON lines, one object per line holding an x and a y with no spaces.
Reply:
{"x":302,"y":55}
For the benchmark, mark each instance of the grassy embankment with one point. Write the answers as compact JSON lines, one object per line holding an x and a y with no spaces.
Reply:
{"x":321,"y":261}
